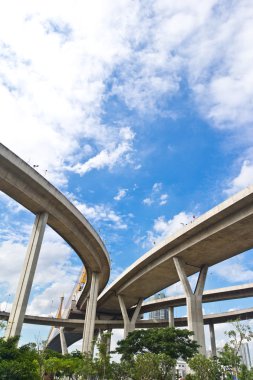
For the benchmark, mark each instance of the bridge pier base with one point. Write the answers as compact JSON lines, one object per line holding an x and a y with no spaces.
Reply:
{"x":90,"y":315}
{"x":129,"y":324}
{"x":19,"y":306}
{"x":194,"y":302}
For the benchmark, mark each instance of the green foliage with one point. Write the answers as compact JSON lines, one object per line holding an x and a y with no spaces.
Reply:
{"x":230,"y":354}
{"x":169,"y":341}
{"x":122,"y":370}
{"x":146,"y":366}
{"x":153,"y":367}
{"x":146,"y":355}
{"x":17,"y":363}
{"x":241,"y":333}
{"x":204,"y":368}
{"x":229,"y":359}
{"x":102,"y":364}
{"x":2,"y":325}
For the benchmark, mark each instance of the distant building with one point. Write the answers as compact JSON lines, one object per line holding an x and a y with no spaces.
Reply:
{"x":181,"y":368}
{"x":159,"y":314}
{"x":245,"y":355}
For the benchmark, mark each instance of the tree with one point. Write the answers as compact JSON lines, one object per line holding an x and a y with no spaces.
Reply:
{"x":169,"y":341}
{"x":17,"y":363}
{"x":2,"y":325}
{"x":102,"y":362}
{"x":122,"y":370}
{"x":204,"y":368}
{"x":230,"y":354}
{"x":151,"y":366}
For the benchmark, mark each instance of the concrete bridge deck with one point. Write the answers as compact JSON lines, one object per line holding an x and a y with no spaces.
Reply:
{"x":219,"y":234}
{"x":214,"y":295}
{"x":23,"y":184}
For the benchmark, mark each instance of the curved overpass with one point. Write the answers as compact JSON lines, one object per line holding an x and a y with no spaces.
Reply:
{"x":35,"y":193}
{"x":219,"y":234}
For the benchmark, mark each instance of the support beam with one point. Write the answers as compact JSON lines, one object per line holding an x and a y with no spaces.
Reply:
{"x":19,"y":306}
{"x":90,"y":315}
{"x":64,"y":348}
{"x":194,"y":302}
{"x":129,"y":324}
{"x":171,"y":316}
{"x":212,"y":339}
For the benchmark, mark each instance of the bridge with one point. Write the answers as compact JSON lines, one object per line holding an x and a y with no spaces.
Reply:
{"x":219,"y":234}
{"x":23,"y":184}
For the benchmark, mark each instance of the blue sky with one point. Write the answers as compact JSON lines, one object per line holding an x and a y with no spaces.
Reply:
{"x":140,"y":112}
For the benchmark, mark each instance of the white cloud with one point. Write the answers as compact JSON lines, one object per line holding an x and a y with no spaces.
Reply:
{"x":244,"y":178}
{"x":163,"y":228}
{"x":219,"y":65}
{"x":157,"y":187}
{"x":55,"y":67}
{"x":52,"y":81}
{"x":105,"y":158}
{"x":238,"y":271}
{"x":156,"y":196}
{"x":56,"y":273}
{"x":99,"y":213}
{"x":163,"y":199}
{"x":121,"y":194}
{"x":148,"y":201}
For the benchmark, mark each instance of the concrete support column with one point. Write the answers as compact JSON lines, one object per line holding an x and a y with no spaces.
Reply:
{"x":64,"y":348}
{"x":96,"y":334}
{"x":108,"y":341}
{"x":171,"y":316}
{"x":129,"y":324}
{"x":212,"y":339}
{"x":194,"y":302}
{"x":18,"y":309}
{"x":90,"y":315}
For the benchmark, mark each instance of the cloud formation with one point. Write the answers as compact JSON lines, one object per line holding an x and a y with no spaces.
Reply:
{"x":156,"y":196}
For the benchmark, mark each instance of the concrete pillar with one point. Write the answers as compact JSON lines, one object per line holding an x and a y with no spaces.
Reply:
{"x":171,"y":316}
{"x":172,"y":324}
{"x":194,"y":302}
{"x":18,"y":309}
{"x":129,"y":324}
{"x":96,"y":334}
{"x":212,"y":339}
{"x":64,"y":348}
{"x":90,"y":314}
{"x":108,"y":341}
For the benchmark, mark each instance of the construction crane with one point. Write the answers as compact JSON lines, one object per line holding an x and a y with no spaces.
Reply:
{"x":82,"y":280}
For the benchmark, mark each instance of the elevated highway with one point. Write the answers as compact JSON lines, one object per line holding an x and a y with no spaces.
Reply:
{"x":214,"y":295}
{"x":76,"y":325}
{"x":219,"y":234}
{"x":23,"y":184}
{"x":74,"y":328}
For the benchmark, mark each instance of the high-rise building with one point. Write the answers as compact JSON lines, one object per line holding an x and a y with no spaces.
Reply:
{"x":245,"y":355}
{"x":159,"y":314}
